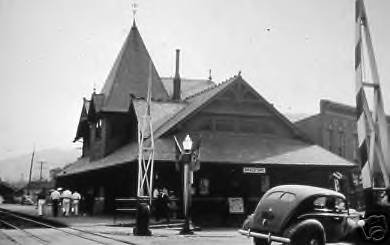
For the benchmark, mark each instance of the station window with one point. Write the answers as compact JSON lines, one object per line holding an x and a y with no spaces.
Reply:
{"x":330,"y":139}
{"x":98,"y":128}
{"x":205,"y":125}
{"x":341,"y":149}
{"x":355,"y":147}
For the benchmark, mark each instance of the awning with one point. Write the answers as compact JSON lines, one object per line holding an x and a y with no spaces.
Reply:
{"x":227,"y":148}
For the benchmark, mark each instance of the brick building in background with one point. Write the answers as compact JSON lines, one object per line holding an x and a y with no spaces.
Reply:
{"x":334,"y":128}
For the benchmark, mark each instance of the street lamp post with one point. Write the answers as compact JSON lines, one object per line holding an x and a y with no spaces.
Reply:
{"x":186,"y":159}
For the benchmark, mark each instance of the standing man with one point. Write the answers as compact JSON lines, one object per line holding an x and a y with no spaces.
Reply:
{"x":55,"y":199}
{"x":75,"y":202}
{"x":165,"y":204}
{"x":41,"y":201}
{"x":66,"y":198}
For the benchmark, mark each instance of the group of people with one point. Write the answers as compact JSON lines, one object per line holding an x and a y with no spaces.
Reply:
{"x":164,"y":204}
{"x":66,"y":200}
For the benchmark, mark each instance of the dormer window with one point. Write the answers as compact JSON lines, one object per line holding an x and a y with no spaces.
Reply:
{"x":98,"y":129}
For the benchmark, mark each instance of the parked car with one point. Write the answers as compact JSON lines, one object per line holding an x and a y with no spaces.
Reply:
{"x":302,"y":215}
{"x":26,"y":200}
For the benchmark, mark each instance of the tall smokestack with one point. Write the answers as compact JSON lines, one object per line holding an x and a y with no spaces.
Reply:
{"x":177,"y":80}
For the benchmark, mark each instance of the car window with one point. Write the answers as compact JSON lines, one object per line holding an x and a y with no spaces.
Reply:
{"x":330,"y":204}
{"x":283,"y":196}
{"x":288,"y":197}
{"x":319,"y":202}
{"x":340,"y":205}
{"x":275,"y":195}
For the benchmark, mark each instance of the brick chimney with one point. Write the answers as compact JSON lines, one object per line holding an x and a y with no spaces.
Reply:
{"x":177,"y":81}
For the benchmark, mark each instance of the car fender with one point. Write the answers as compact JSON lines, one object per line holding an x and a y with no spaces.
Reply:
{"x":248,"y":223}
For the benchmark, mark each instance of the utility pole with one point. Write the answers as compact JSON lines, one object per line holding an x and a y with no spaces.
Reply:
{"x":31,"y":166}
{"x":40,"y":175}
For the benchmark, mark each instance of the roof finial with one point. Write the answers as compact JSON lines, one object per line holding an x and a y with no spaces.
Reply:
{"x":134,"y":7}
{"x":210,"y":78}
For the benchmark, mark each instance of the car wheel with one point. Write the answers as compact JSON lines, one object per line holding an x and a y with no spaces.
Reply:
{"x":308,"y":232}
{"x":259,"y":241}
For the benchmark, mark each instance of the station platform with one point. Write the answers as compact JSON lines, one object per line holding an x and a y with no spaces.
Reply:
{"x":85,"y":220}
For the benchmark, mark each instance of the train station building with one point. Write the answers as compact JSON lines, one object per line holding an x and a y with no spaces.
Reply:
{"x":247,"y":145}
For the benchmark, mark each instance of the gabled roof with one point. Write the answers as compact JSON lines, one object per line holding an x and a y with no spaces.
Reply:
{"x":160,"y":111}
{"x":164,"y":151}
{"x":95,"y":105}
{"x":217,"y":147}
{"x":83,"y":118}
{"x":197,"y":101}
{"x":98,"y":101}
{"x":188,"y":86}
{"x":193,"y":104}
{"x":130,"y":74}
{"x":265,"y":149}
{"x":284,"y":119}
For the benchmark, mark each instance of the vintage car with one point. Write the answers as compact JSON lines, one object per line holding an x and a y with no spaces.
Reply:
{"x":300,"y":214}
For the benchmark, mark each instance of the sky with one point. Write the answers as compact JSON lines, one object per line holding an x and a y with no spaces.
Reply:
{"x":294,"y":53}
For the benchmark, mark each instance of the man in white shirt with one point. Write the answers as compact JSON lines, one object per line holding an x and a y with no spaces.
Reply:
{"x":41,"y":201}
{"x":55,"y":198}
{"x":66,"y":198}
{"x":75,"y":202}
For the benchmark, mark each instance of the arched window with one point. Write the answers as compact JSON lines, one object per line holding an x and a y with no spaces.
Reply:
{"x":98,"y":129}
{"x":341,"y":149}
{"x":330,"y":139}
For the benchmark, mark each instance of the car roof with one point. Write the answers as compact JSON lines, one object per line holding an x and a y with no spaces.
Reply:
{"x":306,"y":191}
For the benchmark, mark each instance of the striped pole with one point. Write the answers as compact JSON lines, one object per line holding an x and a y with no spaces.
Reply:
{"x":361,"y":101}
{"x":371,"y":124}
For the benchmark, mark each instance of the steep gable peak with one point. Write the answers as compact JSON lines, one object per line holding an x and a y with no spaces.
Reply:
{"x":130,"y":74}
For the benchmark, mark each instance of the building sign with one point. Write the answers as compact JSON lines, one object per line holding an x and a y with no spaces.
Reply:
{"x":253,"y":170}
{"x":236,"y":205}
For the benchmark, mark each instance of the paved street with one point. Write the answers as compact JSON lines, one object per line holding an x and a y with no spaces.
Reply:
{"x":82,"y":229}
{"x":160,"y":236}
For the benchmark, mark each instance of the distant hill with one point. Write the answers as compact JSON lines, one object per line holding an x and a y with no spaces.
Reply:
{"x":17,"y":168}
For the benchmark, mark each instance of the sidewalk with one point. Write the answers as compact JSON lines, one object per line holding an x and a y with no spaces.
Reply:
{"x":85,"y":221}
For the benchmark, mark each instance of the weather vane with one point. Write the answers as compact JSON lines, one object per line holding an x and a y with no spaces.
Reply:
{"x":134,"y":7}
